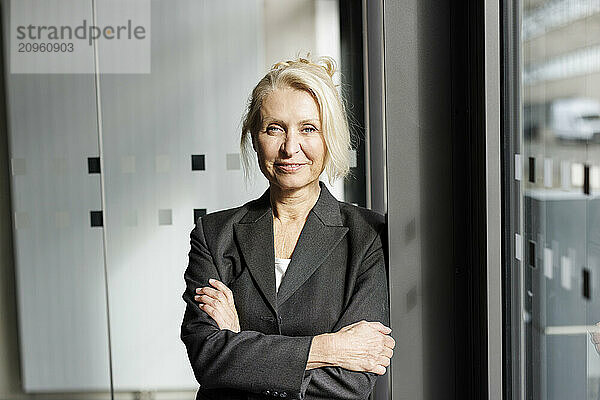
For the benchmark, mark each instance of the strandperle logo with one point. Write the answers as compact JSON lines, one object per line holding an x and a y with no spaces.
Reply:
{"x":80,"y":37}
{"x":85,"y":31}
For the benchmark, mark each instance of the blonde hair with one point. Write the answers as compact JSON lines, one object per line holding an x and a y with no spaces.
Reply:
{"x":316,"y":79}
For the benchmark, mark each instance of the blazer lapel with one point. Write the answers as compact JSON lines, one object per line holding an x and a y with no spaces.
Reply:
{"x":321,"y":233}
{"x":254,"y":234}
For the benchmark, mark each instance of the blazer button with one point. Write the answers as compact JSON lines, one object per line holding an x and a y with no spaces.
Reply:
{"x":275,"y":394}
{"x":283,"y":394}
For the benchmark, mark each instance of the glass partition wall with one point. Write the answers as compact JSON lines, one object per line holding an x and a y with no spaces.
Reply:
{"x":552,"y":119}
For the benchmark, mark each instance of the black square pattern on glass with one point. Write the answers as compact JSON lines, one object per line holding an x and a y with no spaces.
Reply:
{"x":198,"y":162}
{"x":532,"y":253}
{"x":96,"y":218}
{"x":586,"y":284}
{"x":532,"y":169}
{"x":199,"y":212}
{"x":94,"y":165}
{"x":586,"y":179}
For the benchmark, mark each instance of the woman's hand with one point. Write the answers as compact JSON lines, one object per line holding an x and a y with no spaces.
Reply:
{"x":363,"y":346}
{"x":219,"y":305}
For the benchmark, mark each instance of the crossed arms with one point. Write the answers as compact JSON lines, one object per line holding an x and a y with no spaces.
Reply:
{"x":257,"y":362}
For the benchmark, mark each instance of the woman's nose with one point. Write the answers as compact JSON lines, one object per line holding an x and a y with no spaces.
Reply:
{"x":291,"y":144}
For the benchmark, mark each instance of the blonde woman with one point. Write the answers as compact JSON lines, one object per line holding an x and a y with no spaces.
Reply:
{"x":287,"y":295}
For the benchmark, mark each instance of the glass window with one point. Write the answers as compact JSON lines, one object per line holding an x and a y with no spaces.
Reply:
{"x":556,"y":261}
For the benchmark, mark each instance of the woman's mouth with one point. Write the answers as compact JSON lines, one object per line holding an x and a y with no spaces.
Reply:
{"x":289,"y":167}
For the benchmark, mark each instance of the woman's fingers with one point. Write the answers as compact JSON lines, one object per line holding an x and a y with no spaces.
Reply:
{"x":383,"y":361}
{"x":225,"y":311}
{"x":214,"y":303}
{"x":381,"y":365}
{"x":223,"y":288}
{"x":389,"y":341}
{"x":215,"y":294}
{"x":381,"y":327}
{"x":221,"y":293}
{"x":387,"y":352}
{"x":218,"y":304}
{"x":379,"y":370}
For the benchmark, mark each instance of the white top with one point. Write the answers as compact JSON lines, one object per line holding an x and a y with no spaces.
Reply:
{"x":281,"y":265}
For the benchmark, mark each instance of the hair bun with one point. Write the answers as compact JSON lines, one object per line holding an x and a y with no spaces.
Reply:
{"x":329,"y":64}
{"x":325,"y":62}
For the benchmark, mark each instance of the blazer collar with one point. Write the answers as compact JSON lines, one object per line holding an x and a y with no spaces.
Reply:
{"x":322,"y":231}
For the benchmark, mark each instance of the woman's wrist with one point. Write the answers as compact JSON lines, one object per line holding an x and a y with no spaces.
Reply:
{"x":322,"y":351}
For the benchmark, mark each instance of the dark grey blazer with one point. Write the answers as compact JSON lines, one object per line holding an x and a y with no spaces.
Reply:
{"x":337,"y":276}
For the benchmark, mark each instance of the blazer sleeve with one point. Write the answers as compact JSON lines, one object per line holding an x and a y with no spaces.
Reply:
{"x":370,"y":302}
{"x":247,"y":360}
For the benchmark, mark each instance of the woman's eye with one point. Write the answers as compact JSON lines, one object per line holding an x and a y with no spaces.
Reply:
{"x":273,"y":129}
{"x":309,"y":129}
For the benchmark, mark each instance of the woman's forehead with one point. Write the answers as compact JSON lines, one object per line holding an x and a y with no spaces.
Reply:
{"x":292,"y":104}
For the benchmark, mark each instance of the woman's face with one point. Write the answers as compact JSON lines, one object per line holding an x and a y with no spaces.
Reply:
{"x":290,"y":145}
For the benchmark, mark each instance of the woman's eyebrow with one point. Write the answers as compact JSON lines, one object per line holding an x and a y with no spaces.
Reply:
{"x":310,"y":121}
{"x":269,"y":120}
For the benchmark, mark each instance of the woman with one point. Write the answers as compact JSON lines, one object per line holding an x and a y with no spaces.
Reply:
{"x":287,"y":295}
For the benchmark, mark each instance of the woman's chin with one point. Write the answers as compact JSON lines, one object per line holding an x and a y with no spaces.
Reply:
{"x":290,"y":182}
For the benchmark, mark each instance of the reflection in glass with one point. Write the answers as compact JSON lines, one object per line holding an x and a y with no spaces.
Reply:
{"x":561,"y":203}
